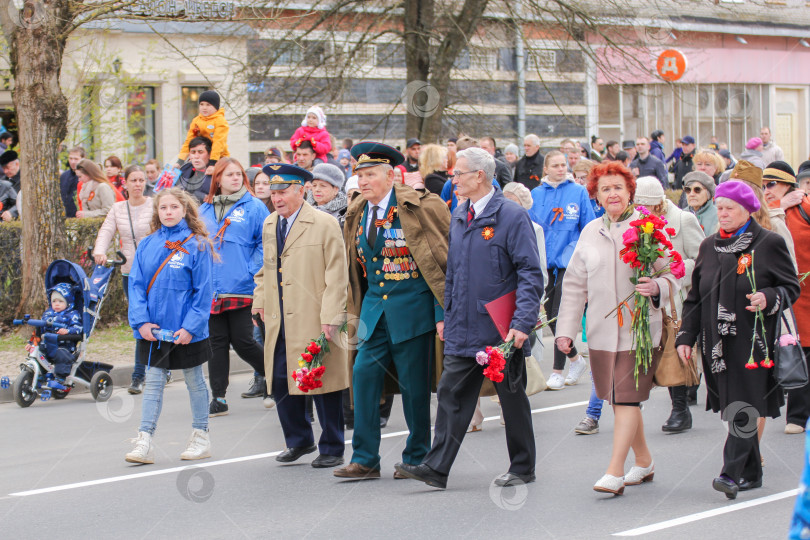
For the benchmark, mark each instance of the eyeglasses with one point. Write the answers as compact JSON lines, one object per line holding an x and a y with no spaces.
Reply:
{"x":459,"y":174}
{"x":697,"y":190}
{"x":771,"y":184}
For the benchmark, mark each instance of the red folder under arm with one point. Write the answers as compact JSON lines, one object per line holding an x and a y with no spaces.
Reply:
{"x":501,"y":311}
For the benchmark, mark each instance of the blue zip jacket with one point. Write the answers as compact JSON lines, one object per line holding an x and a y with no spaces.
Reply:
{"x":481,"y":269}
{"x":182,"y":293}
{"x":240,"y":250}
{"x":657,"y":149}
{"x":448,"y":194}
{"x":563,"y":226}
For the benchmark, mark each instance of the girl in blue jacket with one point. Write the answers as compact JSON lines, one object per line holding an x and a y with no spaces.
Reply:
{"x":170,"y":295}
{"x":235,"y":219}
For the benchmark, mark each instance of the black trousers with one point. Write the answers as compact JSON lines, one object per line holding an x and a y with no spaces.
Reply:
{"x":741,"y":458}
{"x":458,"y":394}
{"x":798,"y":402}
{"x":552,"y":305}
{"x":292,"y":410}
{"x":233,"y":327}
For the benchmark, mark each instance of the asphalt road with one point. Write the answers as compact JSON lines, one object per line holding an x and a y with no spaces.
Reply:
{"x":63,"y":474}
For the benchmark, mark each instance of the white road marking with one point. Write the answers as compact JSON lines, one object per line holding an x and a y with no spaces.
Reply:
{"x":207,"y":464}
{"x":647,"y":529}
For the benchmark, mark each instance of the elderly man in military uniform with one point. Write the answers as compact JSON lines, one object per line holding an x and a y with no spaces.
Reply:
{"x":396,"y":243}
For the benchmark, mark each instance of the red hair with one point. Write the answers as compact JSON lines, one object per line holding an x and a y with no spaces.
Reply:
{"x":611,"y":168}
{"x":219,"y":168}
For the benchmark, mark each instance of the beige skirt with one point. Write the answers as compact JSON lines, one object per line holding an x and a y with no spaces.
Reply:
{"x":613,"y":377}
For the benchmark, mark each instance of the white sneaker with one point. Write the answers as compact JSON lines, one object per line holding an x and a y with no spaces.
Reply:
{"x":555,"y":382}
{"x":576,"y":370}
{"x":638,"y":475}
{"x":199,"y":445}
{"x":269,"y":403}
{"x":143,"y":451}
{"x":610,"y":484}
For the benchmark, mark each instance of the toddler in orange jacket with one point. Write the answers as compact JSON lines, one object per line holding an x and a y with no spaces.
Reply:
{"x":210,"y":123}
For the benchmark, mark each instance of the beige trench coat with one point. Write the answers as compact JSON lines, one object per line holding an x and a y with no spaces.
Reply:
{"x":315,"y":281}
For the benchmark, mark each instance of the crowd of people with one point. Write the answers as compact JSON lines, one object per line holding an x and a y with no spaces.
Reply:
{"x":412,"y":245}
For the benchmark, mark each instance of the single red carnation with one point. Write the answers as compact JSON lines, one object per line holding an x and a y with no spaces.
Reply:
{"x":670,"y":231}
{"x":307,"y":357}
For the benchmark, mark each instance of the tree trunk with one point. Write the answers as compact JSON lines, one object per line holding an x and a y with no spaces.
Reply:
{"x":418,"y":25}
{"x":456,"y":38}
{"x":37,"y":44}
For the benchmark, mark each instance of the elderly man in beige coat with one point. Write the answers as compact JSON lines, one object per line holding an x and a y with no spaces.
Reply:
{"x":300,"y":292}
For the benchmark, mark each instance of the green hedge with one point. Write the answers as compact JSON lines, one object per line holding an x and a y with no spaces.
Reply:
{"x":81,"y":235}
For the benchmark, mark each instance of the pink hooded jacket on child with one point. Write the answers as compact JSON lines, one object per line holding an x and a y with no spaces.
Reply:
{"x":318,"y":136}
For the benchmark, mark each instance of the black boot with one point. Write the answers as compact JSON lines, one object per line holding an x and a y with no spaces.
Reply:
{"x":680,"y":419}
{"x":691,"y":394}
{"x":258,"y":388}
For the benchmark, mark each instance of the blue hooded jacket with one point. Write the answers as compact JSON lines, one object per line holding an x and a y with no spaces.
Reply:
{"x":240,"y":249}
{"x":182,"y":293}
{"x":69,"y":317}
{"x":657,"y":149}
{"x":562,"y":212}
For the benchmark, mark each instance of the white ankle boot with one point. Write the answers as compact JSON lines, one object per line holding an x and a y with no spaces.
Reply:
{"x":199,"y":445}
{"x":143,"y":451}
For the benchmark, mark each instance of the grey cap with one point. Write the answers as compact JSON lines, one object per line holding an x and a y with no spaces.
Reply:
{"x":511,"y":148}
{"x":329,"y":173}
{"x":702,"y":178}
{"x":251,"y":173}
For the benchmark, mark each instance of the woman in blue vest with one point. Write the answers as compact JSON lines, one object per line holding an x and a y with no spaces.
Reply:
{"x":170,"y":292}
{"x":234,"y":218}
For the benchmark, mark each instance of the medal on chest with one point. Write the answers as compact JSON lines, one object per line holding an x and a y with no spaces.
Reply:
{"x":398,"y":263}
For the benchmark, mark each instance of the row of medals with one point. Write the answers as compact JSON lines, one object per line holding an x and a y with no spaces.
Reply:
{"x":398,"y":263}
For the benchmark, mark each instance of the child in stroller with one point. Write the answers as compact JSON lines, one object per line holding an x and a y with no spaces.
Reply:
{"x":63,"y":319}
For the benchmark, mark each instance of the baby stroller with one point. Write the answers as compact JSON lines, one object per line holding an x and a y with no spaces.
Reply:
{"x":36,"y":378}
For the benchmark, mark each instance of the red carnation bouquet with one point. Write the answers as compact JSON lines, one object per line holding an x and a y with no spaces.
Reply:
{"x":308,"y":375}
{"x":494,"y":358}
{"x":645,"y":242}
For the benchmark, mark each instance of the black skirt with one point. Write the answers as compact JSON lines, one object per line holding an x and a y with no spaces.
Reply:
{"x":167,"y":355}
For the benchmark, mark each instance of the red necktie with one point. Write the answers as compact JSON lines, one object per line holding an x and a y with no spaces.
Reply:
{"x":470,"y":214}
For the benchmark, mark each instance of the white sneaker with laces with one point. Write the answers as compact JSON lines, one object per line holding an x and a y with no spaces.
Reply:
{"x":555,"y":382}
{"x":199,"y":445}
{"x":576,"y":370}
{"x":143,"y":451}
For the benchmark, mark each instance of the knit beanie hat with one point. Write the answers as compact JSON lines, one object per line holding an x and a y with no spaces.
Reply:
{"x":511,"y":148}
{"x":317,"y":111}
{"x":781,"y":172}
{"x":521,"y":192}
{"x":745,"y":170}
{"x":804,"y":171}
{"x":209,"y":96}
{"x":329,"y":174}
{"x":649,"y":191}
{"x":701,"y":178}
{"x":739,"y":192}
{"x":753,"y":143}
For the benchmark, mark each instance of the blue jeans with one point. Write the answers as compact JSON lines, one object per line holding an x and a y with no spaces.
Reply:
{"x":153,"y":398}
{"x":594,"y":409}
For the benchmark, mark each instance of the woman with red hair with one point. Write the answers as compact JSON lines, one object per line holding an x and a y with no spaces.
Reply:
{"x":597,"y":277}
{"x":234,"y":219}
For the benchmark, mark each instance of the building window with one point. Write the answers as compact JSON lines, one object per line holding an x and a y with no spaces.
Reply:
{"x":483,"y":59}
{"x":543,"y":60}
{"x":141,"y":145}
{"x":191,"y":106}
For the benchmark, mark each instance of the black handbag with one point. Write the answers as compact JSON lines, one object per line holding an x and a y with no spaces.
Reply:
{"x":790,"y":365}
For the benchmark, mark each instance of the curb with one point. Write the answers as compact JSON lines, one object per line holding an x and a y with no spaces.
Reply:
{"x":122,"y":376}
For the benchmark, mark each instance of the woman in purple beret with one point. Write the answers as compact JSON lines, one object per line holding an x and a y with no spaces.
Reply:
{"x":720,"y":311}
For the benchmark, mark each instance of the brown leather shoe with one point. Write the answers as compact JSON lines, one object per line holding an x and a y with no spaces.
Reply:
{"x":399,"y":476}
{"x":357,"y":471}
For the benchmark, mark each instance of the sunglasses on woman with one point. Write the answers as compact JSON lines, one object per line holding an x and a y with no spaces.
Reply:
{"x":771,"y":184}
{"x":697,"y":190}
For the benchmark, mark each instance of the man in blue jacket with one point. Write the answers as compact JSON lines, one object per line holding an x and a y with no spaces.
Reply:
{"x":487,"y":232}
{"x":562,"y":207}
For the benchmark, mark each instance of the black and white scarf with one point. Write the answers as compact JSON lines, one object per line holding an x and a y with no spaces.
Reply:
{"x":724,"y":292}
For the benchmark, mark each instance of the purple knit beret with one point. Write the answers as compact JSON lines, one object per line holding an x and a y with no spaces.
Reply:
{"x":740,"y":193}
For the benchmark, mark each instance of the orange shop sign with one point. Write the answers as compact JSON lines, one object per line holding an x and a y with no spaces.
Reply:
{"x":671,"y":65}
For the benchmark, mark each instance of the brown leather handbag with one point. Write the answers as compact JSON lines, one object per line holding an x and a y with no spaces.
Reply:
{"x":671,"y":371}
